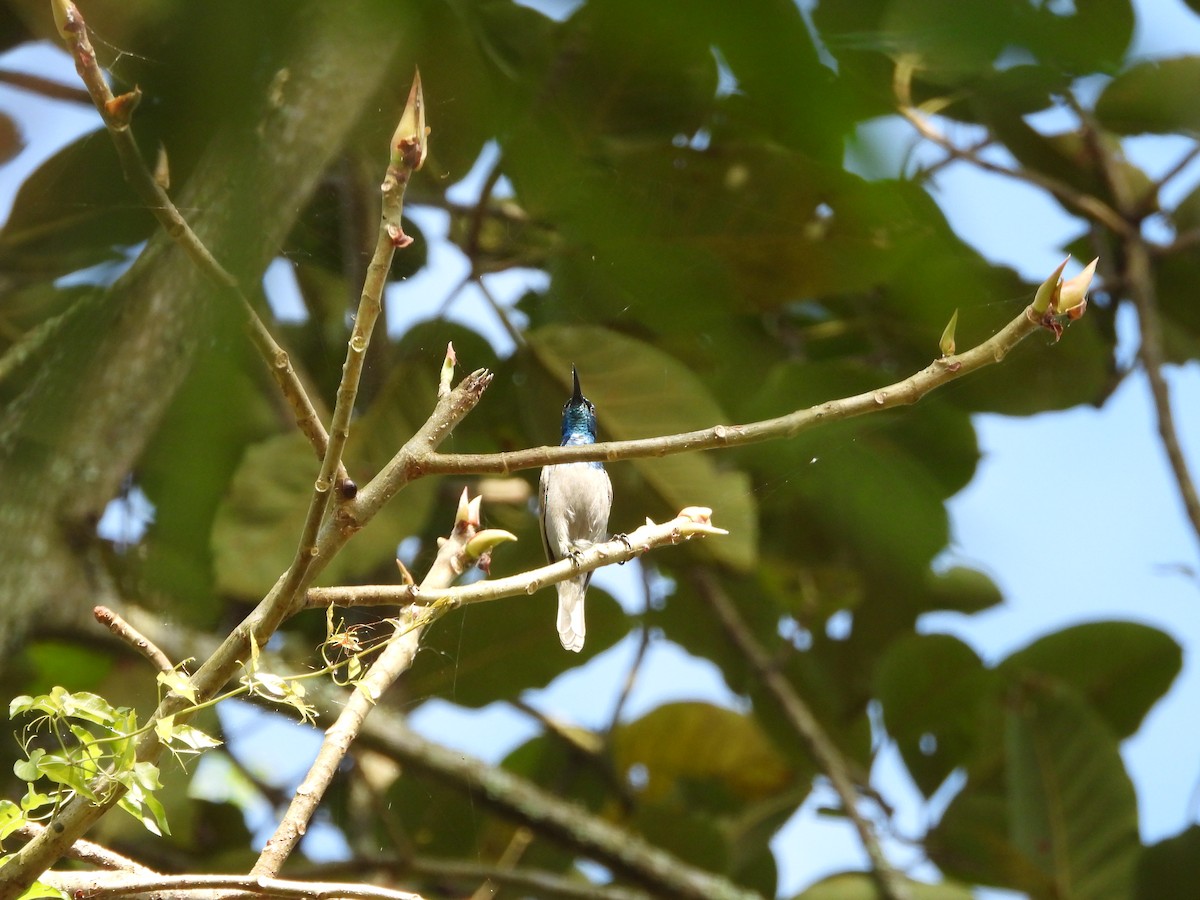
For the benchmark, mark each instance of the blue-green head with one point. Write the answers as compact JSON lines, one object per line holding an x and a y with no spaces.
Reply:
{"x":579,"y":417}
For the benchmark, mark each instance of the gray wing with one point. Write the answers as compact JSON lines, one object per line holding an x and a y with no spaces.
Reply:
{"x":543,"y":486}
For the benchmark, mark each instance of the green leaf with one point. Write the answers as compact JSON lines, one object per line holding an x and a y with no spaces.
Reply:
{"x":40,"y":889}
{"x":932,"y":687}
{"x":11,"y":818}
{"x":640,"y":391}
{"x":862,"y":886}
{"x":64,"y":220}
{"x":1121,"y":668}
{"x":258,"y":523}
{"x":223,"y":407}
{"x":1170,"y":869}
{"x":684,"y":747}
{"x":179,"y":682}
{"x":972,"y":843}
{"x":1071,"y":806}
{"x":90,"y":707}
{"x":1154,"y":96}
{"x":29,"y":769}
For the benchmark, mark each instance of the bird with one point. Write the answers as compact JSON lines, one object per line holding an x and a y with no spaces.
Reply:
{"x":576,"y":498}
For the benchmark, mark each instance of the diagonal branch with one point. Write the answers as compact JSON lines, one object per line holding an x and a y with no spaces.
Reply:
{"x":1093,"y":208}
{"x":568,"y":823}
{"x":806,"y":726}
{"x":1140,"y":282}
{"x":117,"y":114}
{"x":453,"y":558}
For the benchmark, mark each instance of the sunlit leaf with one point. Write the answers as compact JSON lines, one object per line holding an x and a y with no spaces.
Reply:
{"x":862,"y":886}
{"x":680,"y":744}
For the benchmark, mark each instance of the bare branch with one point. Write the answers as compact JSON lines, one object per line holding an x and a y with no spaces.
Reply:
{"x":406,"y":466}
{"x":1140,"y":281}
{"x":133,"y":638}
{"x":452,"y":560}
{"x":212,"y":887}
{"x":1089,"y":206}
{"x":117,"y":114}
{"x":688,"y":524}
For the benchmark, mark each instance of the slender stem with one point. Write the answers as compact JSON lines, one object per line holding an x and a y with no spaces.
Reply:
{"x":806,"y":726}
{"x":1140,"y":281}
{"x":396,"y":658}
{"x":405,"y":467}
{"x":134,"y":638}
{"x":1091,"y":207}
{"x":117,"y":114}
{"x":124,"y":884}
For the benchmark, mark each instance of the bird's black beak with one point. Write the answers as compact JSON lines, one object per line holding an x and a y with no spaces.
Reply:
{"x":577,"y":396}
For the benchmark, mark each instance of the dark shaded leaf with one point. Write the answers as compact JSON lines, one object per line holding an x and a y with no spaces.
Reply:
{"x":74,"y":212}
{"x":932,"y":688}
{"x":1170,"y":869}
{"x":1152,"y":96}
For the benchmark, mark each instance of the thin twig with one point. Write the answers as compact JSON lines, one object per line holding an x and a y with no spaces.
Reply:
{"x":95,"y":885}
{"x":688,"y":524}
{"x":1091,"y":207}
{"x":639,"y":657}
{"x":1140,"y":281}
{"x":1182,"y":163}
{"x":452,"y":560}
{"x":45,"y":87}
{"x":806,"y":726}
{"x":117,"y":114}
{"x":517,"y":845}
{"x":514,"y":333}
{"x":133,"y":638}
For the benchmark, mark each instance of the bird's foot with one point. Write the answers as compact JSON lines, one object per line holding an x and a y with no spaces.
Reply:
{"x":624,"y":539}
{"x":576,"y":550}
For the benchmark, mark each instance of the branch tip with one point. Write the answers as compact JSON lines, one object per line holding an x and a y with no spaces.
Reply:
{"x":410,"y":141}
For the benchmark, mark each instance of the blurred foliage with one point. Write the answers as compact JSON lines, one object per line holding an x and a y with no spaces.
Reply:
{"x":677,"y":169}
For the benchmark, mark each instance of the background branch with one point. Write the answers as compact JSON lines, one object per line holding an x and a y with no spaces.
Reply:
{"x":804,"y":723}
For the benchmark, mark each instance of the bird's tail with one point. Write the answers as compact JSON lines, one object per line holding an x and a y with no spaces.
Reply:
{"x":570,"y":612}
